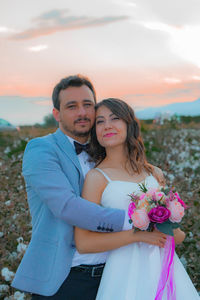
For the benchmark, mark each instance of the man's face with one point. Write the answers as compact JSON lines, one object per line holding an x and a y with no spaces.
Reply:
{"x":76,"y":115}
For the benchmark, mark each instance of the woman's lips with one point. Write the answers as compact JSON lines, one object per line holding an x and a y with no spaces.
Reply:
{"x":109,"y":134}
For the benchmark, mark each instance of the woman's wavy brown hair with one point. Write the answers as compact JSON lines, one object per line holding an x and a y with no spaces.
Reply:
{"x":134,"y":143}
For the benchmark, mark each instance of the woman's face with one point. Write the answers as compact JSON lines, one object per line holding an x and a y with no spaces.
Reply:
{"x":111,"y":131}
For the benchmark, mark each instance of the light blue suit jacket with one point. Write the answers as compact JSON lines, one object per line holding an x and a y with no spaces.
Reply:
{"x":54,"y":181}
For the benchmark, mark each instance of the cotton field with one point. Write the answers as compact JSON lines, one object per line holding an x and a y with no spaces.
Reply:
{"x":175,"y":151}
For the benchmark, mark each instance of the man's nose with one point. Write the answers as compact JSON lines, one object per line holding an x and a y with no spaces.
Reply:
{"x":82,"y":111}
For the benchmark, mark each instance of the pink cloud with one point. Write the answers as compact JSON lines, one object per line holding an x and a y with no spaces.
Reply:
{"x":57,"y":20}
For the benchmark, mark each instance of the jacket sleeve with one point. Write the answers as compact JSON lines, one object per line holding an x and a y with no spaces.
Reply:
{"x":43,"y":174}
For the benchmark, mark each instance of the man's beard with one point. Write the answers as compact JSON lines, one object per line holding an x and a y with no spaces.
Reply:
{"x":75,"y":132}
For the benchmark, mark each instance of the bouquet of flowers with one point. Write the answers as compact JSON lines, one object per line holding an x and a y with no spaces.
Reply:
{"x":163,"y":209}
{"x":156,"y":207}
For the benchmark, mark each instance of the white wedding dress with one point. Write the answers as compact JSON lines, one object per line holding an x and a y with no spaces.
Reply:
{"x":132,"y":272}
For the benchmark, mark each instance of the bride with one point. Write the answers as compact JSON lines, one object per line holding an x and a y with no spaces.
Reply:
{"x":133,"y":266}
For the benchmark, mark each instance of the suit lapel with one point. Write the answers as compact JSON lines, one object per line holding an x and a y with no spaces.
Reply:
{"x":67,"y":147}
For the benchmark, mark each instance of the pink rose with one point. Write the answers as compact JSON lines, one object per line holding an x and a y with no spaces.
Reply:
{"x":131,"y":209}
{"x":159,"y":214}
{"x":140,"y":219}
{"x":177,"y":211}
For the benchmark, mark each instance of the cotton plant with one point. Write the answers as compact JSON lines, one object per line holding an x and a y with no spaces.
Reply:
{"x":16,"y":296}
{"x":7,"y":274}
{"x":176,"y":152}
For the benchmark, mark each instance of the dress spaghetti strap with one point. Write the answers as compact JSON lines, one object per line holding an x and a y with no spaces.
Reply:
{"x":104,"y":174}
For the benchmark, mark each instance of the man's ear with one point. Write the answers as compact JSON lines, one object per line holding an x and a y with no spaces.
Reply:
{"x":56,"y":114}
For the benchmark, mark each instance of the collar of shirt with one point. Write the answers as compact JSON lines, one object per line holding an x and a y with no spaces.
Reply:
{"x":83,"y":158}
{"x":72,"y":141}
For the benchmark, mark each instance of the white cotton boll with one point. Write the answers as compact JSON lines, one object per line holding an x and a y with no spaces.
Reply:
{"x":7,"y":203}
{"x":1,"y":234}
{"x":13,"y":255}
{"x":21,"y":247}
{"x":171,"y":177}
{"x":20,"y":187}
{"x":190,"y":234}
{"x":183,"y":155}
{"x":20,"y":156}
{"x":196,"y":165}
{"x":7,"y":150}
{"x":3,"y":288}
{"x":7,"y":274}
{"x":20,"y":239}
{"x":194,"y":142}
{"x":198,"y":247}
{"x":19,"y":296}
{"x":15,"y":216}
{"x":16,"y":143}
{"x":185,"y":164}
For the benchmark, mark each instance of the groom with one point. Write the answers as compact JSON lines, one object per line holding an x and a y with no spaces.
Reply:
{"x":54,"y":167}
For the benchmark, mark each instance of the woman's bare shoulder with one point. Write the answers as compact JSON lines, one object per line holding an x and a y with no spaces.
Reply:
{"x":158,"y":174}
{"x":94,"y":186}
{"x":158,"y":171}
{"x":95,"y":176}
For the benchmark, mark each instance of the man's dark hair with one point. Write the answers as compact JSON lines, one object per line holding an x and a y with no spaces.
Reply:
{"x":74,"y":80}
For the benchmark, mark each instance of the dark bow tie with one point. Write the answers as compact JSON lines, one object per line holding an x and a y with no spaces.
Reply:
{"x":79,"y":147}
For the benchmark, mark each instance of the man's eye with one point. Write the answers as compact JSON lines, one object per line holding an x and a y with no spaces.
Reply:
{"x":71,"y":107}
{"x":88,"y":104}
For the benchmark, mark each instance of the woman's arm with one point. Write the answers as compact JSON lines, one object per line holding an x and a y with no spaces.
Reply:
{"x":89,"y":242}
{"x":93,"y":242}
{"x":179,"y":236}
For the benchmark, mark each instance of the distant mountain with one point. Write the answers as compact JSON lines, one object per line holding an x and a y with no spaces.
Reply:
{"x":181,"y":109}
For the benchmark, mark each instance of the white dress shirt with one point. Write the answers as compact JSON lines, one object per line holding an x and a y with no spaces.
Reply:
{"x":83,"y":158}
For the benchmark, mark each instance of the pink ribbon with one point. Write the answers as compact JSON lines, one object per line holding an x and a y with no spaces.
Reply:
{"x":167,"y":273}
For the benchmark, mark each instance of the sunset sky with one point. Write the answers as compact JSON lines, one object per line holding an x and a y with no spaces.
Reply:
{"x":146,"y":52}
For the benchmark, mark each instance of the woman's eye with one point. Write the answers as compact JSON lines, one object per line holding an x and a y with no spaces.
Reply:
{"x":115,"y":118}
{"x":99,"y":121}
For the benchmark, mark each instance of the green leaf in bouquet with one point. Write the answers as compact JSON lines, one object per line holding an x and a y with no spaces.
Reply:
{"x":165,"y":190}
{"x":175,"y":225}
{"x":151,"y":227}
{"x":143,"y":187}
{"x":166,"y":227}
